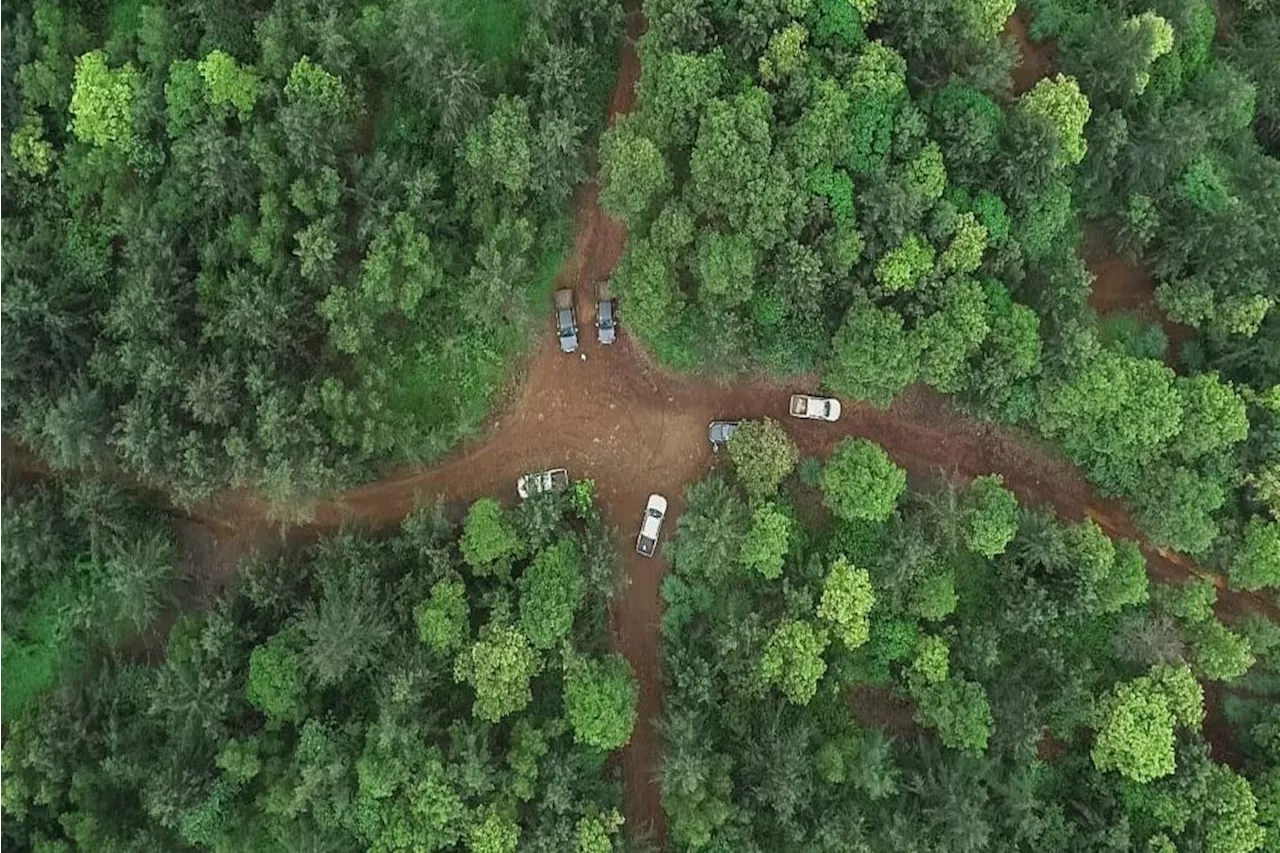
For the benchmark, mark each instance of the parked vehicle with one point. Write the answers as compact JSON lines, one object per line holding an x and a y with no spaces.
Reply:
{"x":651,"y":525}
{"x":547,"y":481}
{"x":606,"y":314}
{"x":566,"y":321}
{"x":720,"y":432}
{"x":815,"y":408}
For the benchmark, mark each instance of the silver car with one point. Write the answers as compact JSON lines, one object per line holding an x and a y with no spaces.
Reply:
{"x":606,"y":314}
{"x":720,"y":432}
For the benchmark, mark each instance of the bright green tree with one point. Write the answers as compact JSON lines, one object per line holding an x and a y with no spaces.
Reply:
{"x":600,"y":700}
{"x":229,"y":84}
{"x":550,"y":594}
{"x":489,"y":539}
{"x":765,"y":547}
{"x":959,"y":710}
{"x":1213,"y":416}
{"x":762,"y":455}
{"x":1115,"y":416}
{"x":1135,"y":728}
{"x":1256,"y":563}
{"x":873,"y":356}
{"x":1059,"y":101}
{"x":499,"y":666}
{"x":793,"y":660}
{"x":277,"y":678}
{"x":932,"y":660}
{"x":1220,"y":654}
{"x":496,"y":833}
{"x":847,"y":599}
{"x":633,"y":173}
{"x":860,"y":482}
{"x":991,"y":517}
{"x":443,"y":619}
{"x":102,"y":102}
{"x":903,"y":267}
{"x":594,"y":832}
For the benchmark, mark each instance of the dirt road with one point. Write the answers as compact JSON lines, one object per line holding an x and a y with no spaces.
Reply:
{"x":1036,"y":59}
{"x":609,"y":415}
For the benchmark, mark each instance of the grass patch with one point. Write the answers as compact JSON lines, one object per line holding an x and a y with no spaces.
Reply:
{"x":490,"y":27}
{"x":44,"y":646}
{"x":449,"y":390}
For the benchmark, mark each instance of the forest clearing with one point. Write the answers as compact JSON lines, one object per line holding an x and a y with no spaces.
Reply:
{"x":797,"y":571}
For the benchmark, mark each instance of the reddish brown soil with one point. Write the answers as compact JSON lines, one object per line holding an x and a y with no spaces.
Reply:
{"x":608,"y":414}
{"x":1120,"y":285}
{"x":1037,"y":59}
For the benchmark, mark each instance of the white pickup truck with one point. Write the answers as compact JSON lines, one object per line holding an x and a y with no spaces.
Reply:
{"x":547,"y":481}
{"x":651,"y":525}
{"x":815,"y":408}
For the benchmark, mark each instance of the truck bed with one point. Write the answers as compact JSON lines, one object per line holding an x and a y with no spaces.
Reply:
{"x":799,"y":405}
{"x":645,"y":545}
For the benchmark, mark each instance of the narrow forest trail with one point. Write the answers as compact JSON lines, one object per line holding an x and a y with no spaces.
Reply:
{"x":610,"y":415}
{"x":1035,"y":59}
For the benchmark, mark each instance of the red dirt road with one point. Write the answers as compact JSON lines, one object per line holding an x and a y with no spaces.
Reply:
{"x":609,"y":415}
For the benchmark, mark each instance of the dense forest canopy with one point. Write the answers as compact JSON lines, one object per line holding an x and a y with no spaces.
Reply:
{"x":281,"y":245}
{"x":274,"y":244}
{"x":1018,"y":682}
{"x":855,"y":187}
{"x":435,"y":689}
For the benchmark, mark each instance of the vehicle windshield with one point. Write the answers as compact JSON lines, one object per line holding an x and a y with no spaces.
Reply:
{"x":827,"y":408}
{"x":653,"y":513}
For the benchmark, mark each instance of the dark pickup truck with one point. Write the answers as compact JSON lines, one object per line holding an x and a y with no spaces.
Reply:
{"x":566,"y":321}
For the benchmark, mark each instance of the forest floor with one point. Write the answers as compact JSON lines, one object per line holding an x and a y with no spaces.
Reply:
{"x":1124,"y":286}
{"x":1036,"y":59}
{"x":609,"y":414}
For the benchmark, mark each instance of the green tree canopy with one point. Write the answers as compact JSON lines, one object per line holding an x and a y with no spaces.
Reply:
{"x":499,"y":666}
{"x":860,"y":482}
{"x":847,"y":599}
{"x":550,"y":594}
{"x":873,"y":356}
{"x":765,"y":547}
{"x":763,"y":455}
{"x":444,"y":618}
{"x":991,"y":517}
{"x":489,"y":539}
{"x":793,"y":660}
{"x":1135,"y":729}
{"x":600,"y":699}
{"x":102,"y":102}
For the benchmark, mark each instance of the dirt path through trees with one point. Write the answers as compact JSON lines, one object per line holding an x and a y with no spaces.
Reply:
{"x":1036,"y":59}
{"x":608,"y":414}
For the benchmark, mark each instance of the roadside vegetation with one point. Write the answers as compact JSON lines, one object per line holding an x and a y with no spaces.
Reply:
{"x":853,"y":187}
{"x":269,"y":245}
{"x":436,"y":689}
{"x":278,"y":246}
{"x":852,"y":667}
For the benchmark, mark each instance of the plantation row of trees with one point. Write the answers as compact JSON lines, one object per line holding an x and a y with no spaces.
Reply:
{"x":437,"y":689}
{"x":854,"y":187}
{"x":849,"y":667}
{"x":263,"y":243}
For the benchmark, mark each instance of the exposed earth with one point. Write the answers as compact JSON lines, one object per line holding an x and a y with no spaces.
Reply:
{"x":1035,"y":59}
{"x":609,"y":414}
